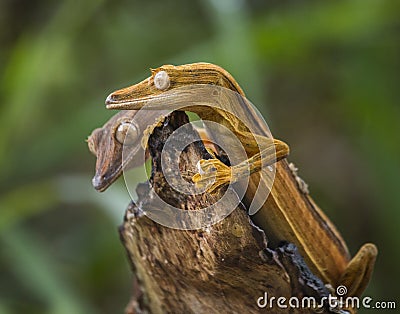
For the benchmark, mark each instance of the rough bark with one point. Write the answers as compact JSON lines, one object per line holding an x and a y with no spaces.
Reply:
{"x":223,"y":269}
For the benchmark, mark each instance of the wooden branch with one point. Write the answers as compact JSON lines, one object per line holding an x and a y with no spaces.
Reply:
{"x":223,"y":269}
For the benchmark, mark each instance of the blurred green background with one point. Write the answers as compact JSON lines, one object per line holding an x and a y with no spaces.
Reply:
{"x":325,"y":74}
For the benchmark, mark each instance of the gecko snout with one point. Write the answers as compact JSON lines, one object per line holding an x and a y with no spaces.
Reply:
{"x":113,"y":98}
{"x":98,"y":183}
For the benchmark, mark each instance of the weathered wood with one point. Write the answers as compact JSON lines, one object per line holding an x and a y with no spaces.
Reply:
{"x":223,"y":269}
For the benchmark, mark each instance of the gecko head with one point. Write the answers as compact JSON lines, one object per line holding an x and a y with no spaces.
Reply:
{"x":107,"y":144}
{"x":166,"y":78}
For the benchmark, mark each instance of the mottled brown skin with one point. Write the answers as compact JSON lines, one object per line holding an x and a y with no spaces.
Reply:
{"x":108,"y":151}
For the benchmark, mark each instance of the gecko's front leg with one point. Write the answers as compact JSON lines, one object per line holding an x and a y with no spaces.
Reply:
{"x":215,"y":174}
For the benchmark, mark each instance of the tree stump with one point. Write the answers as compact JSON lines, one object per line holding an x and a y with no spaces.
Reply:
{"x":225,"y":268}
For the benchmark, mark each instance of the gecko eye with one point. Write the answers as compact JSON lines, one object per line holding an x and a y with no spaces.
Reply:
{"x":161,"y":80}
{"x":127,"y":133}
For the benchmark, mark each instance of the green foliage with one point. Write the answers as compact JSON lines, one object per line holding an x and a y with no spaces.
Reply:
{"x":325,"y":75}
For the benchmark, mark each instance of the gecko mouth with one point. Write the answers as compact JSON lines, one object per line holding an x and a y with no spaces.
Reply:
{"x":112,"y":102}
{"x":102,"y":182}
